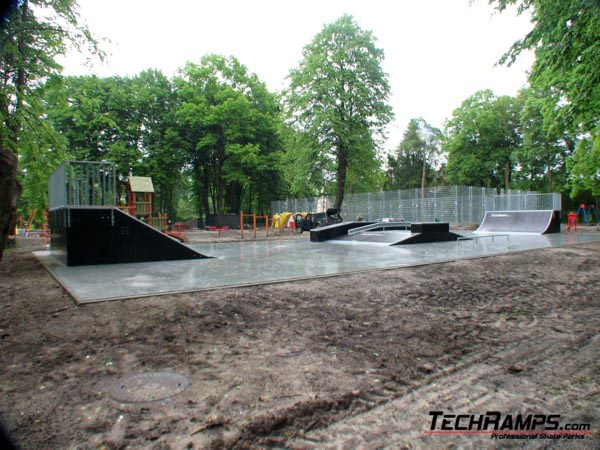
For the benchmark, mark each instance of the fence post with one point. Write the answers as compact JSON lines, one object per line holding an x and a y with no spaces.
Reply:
{"x":456,"y":203}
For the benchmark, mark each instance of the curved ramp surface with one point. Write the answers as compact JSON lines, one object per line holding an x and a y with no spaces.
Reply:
{"x":539,"y":222}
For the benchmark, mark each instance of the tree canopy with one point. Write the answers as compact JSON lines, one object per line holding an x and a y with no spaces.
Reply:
{"x":481,"y":137}
{"x":413,"y":163}
{"x":229,"y":126}
{"x":215,"y":140}
{"x":566,"y":40}
{"x":32,"y":34}
{"x":338,"y":97}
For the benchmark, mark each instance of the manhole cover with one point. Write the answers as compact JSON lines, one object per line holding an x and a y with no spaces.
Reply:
{"x":149,"y":387}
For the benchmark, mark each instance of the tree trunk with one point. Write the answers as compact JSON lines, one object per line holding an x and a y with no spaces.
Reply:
{"x":10,"y":190}
{"x":342,"y":169}
{"x":424,"y":177}
{"x":548,"y":165}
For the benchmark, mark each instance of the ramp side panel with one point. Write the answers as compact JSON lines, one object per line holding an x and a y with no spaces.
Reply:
{"x":109,"y":236}
{"x":541,"y":222}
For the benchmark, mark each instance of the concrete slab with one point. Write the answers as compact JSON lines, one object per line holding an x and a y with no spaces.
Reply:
{"x":261,"y":262}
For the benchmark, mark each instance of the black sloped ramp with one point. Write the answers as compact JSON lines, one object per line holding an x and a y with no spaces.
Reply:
{"x":328,"y":232}
{"x":86,"y":236}
{"x":428,"y":232}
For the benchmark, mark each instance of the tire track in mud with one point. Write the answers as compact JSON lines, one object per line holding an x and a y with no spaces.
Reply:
{"x":475,"y":385}
{"x":397,"y":415}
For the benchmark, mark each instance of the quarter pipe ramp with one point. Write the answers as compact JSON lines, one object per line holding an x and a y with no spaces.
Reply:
{"x":539,"y":222}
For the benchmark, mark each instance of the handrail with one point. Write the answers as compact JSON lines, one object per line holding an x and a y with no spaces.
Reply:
{"x":482,"y":236}
{"x":375,"y":225}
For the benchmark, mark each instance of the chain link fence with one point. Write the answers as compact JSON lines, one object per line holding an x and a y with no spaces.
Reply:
{"x":458,"y":205}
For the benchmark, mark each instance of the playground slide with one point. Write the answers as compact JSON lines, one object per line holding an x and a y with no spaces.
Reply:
{"x":539,"y":222}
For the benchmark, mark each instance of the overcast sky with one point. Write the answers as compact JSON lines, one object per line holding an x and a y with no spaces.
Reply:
{"x":437,"y":52}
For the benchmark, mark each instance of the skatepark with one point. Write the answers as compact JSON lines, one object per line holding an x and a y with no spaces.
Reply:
{"x":99,"y":252}
{"x":354,"y":360}
{"x":262,"y":262}
{"x":346,"y":341}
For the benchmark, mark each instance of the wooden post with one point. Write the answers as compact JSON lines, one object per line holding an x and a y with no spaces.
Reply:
{"x":242,"y":224}
{"x":254,"y":224}
{"x":267,"y":225}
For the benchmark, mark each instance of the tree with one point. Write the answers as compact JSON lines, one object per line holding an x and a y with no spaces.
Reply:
{"x":41,"y":150}
{"x":584,"y":168}
{"x":545,"y":148}
{"x":229,"y":122}
{"x":32,"y":34}
{"x":127,"y":120}
{"x":337,"y":96}
{"x":566,"y":41}
{"x":412,"y":165}
{"x":481,"y":137}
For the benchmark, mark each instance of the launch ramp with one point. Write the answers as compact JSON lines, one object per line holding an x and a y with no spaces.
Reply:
{"x":107,"y":235}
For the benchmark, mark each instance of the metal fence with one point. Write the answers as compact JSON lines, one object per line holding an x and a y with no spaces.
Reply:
{"x":78,"y":183}
{"x":459,"y":205}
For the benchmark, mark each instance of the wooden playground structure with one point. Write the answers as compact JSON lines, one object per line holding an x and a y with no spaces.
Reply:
{"x":254,"y":217}
{"x":26,"y":227}
{"x":139,"y":205}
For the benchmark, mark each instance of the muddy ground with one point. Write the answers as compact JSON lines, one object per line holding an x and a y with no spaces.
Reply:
{"x":345,"y":362}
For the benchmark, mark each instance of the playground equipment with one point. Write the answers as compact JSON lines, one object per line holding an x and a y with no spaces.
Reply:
{"x":139,"y":204}
{"x":588,"y":212}
{"x":308,"y":221}
{"x":541,"y":222}
{"x":254,"y":217}
{"x":139,"y":197}
{"x":86,"y":226}
{"x":30,"y":221}
{"x":571,"y":222}
{"x":281,"y":220}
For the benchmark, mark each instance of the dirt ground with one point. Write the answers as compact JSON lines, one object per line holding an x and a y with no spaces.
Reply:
{"x":345,"y":362}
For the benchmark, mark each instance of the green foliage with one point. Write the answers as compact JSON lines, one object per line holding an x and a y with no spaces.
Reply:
{"x":129,"y":121}
{"x":337,"y":98}
{"x":305,"y":167}
{"x":41,"y":150}
{"x":481,"y":137}
{"x":414,"y":163}
{"x":566,"y":41}
{"x":541,"y":157}
{"x":32,"y":34}
{"x":229,"y":123}
{"x":584,"y":168}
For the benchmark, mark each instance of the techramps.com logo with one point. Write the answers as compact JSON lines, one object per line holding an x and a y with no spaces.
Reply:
{"x":501,"y":426}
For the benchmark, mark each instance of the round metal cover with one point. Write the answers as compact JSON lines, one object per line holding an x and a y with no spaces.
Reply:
{"x":149,"y":387}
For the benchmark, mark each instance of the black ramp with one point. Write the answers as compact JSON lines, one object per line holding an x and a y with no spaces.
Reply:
{"x":107,"y":235}
{"x":327,"y":232}
{"x":541,"y":222}
{"x":428,"y":232}
{"x":397,"y":234}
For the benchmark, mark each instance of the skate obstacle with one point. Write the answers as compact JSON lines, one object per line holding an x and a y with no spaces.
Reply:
{"x":87,"y":228}
{"x":85,"y":236}
{"x":390,"y":233}
{"x":538,"y":222}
